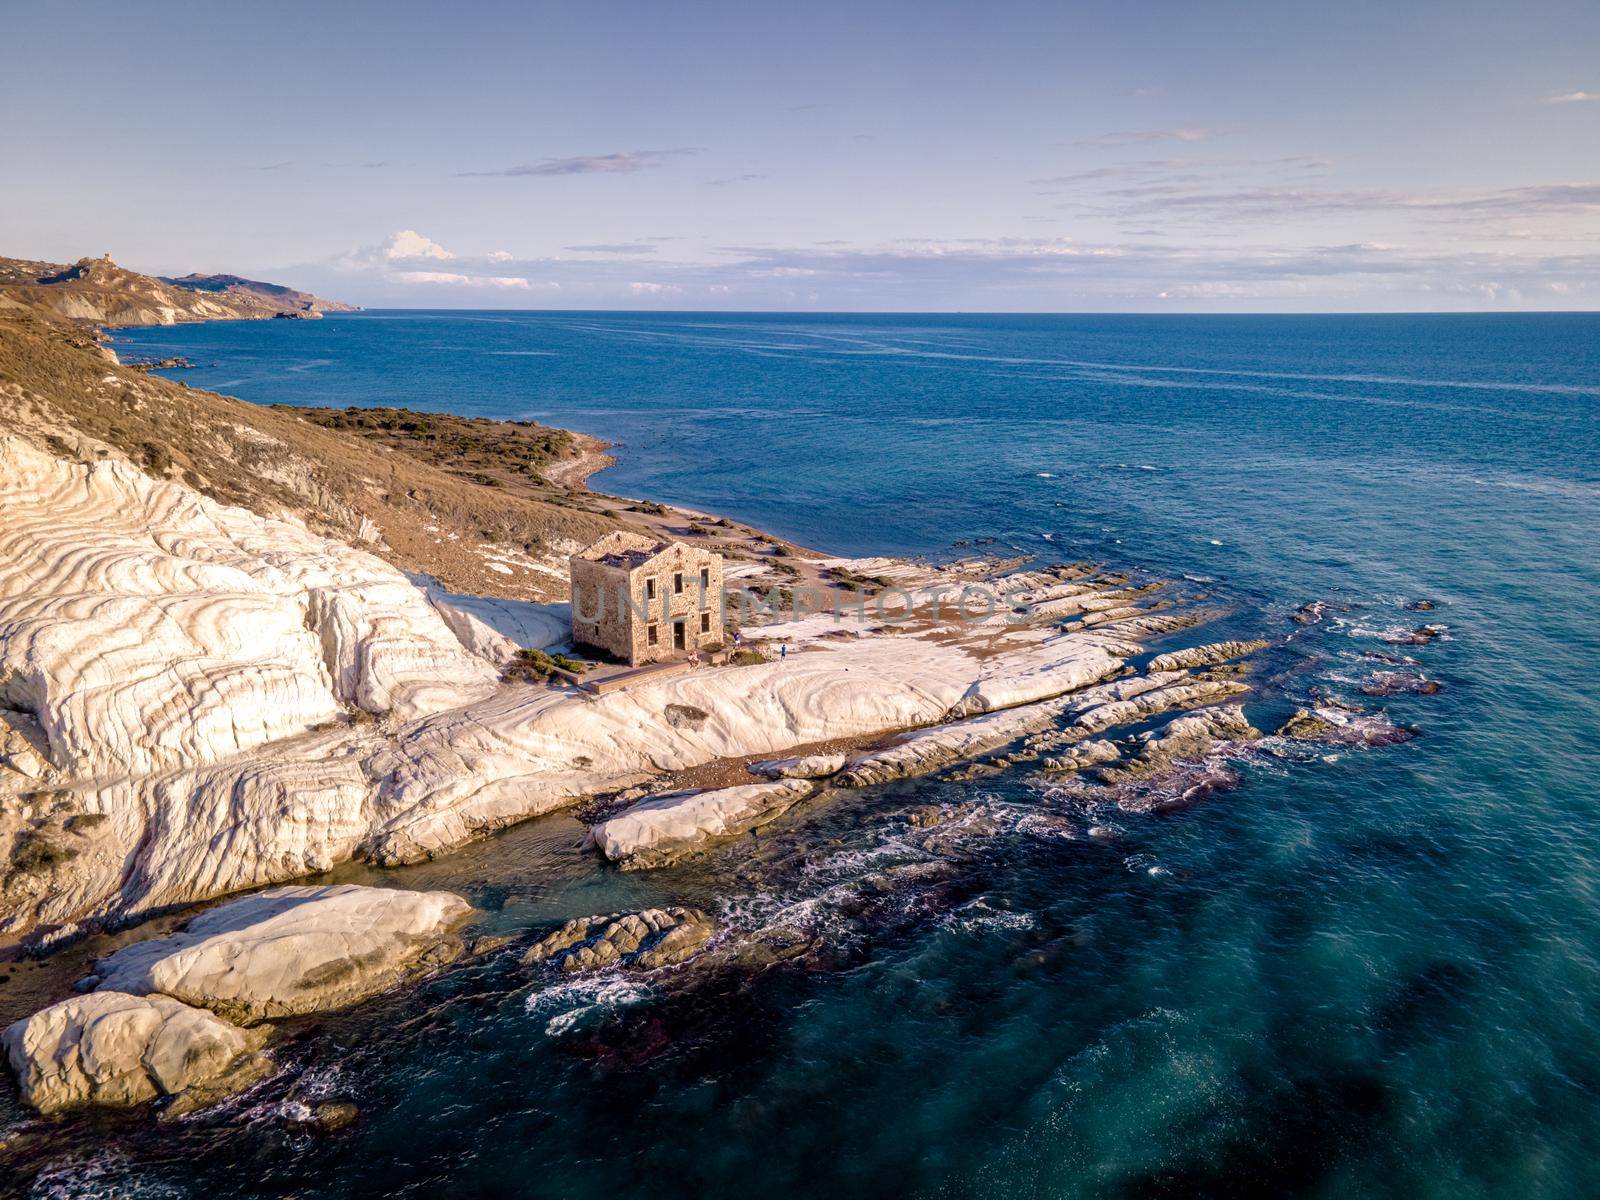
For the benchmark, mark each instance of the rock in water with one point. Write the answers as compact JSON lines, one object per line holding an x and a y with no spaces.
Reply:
{"x":655,"y":937}
{"x":665,"y":828}
{"x":1204,"y":656}
{"x":289,"y":950}
{"x":1185,"y":739}
{"x":115,"y":1049}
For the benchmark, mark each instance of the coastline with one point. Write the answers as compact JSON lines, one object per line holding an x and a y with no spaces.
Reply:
{"x":418,"y":745}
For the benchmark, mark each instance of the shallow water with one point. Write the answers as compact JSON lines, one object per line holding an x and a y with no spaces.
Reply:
{"x":1358,"y":974}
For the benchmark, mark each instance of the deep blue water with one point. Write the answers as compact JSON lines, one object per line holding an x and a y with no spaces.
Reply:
{"x":1368,"y":973}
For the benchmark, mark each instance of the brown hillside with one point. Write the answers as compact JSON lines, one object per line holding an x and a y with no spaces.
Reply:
{"x":98,"y":291}
{"x":483,"y":537}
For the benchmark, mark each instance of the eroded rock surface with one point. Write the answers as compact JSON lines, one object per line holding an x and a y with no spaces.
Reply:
{"x":1204,"y":656}
{"x":289,"y":950}
{"x":654,"y":937}
{"x":111,"y":1048}
{"x":665,"y":828}
{"x":1179,"y":740}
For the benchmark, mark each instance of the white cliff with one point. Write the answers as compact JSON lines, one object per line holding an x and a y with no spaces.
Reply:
{"x":148,"y":627}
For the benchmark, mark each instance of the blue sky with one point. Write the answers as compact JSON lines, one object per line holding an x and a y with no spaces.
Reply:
{"x":839,"y":156}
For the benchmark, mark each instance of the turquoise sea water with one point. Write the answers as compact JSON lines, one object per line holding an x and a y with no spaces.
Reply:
{"x":1363,"y":973}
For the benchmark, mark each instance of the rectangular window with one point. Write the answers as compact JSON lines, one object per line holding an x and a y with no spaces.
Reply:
{"x":705,"y":579}
{"x":705,"y":622}
{"x":649,"y":589}
{"x":677,"y":582}
{"x":650,"y":635}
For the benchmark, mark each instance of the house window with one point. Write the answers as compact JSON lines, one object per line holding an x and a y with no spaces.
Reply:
{"x":649,"y":589}
{"x":677,"y":582}
{"x":705,"y":622}
{"x":651,"y":635}
{"x":705,"y":580}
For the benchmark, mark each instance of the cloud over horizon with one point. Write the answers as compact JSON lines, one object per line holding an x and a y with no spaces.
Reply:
{"x":618,"y":163}
{"x":1044,"y":273}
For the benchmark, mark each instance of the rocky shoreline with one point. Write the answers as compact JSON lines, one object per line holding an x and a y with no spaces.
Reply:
{"x":200,"y":698}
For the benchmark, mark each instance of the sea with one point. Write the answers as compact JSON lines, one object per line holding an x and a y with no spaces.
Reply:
{"x":1357,"y":972}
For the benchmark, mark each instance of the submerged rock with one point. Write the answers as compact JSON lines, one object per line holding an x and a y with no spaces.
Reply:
{"x":654,"y":937}
{"x":1420,"y":636}
{"x":116,"y":1049}
{"x":330,"y":1116}
{"x":1310,"y":614}
{"x":290,"y":950}
{"x":1343,"y":726}
{"x":1395,"y":683}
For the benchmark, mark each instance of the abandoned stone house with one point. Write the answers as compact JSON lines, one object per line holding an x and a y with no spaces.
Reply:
{"x":645,"y":600}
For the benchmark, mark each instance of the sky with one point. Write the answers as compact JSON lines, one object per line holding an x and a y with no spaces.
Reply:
{"x":861,"y":156}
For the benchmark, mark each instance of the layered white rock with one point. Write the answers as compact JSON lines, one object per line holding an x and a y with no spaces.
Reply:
{"x":1042,"y":665}
{"x":1204,"y":656}
{"x":1148,"y":703}
{"x":809,"y":766}
{"x":925,"y":750}
{"x":116,"y":1049}
{"x":289,"y":950}
{"x":194,"y":669}
{"x":664,"y":828}
{"x":148,"y":627}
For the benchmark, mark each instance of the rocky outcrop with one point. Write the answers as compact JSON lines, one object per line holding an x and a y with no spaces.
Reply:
{"x":665,"y":828}
{"x":519,"y":755}
{"x":1052,"y":665}
{"x":290,"y":950}
{"x":654,"y":937}
{"x":927,"y":750}
{"x":1180,"y":740}
{"x":1204,"y":656}
{"x":1093,"y":753}
{"x":1188,"y":694}
{"x":810,"y":766}
{"x":111,"y":1048}
{"x":1341,"y":725}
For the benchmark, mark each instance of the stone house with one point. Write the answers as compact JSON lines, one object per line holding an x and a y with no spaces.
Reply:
{"x":646,"y":600}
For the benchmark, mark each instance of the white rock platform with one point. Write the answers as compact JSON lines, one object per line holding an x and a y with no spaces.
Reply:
{"x":289,"y":951}
{"x":665,"y":828}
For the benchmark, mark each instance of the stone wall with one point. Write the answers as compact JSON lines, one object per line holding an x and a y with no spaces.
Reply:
{"x":635,"y":613}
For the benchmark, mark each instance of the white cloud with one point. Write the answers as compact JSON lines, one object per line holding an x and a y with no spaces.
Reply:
{"x":1572,"y":98}
{"x":655,"y":289}
{"x":408,"y":243}
{"x":500,"y":256}
{"x":453,"y":277}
